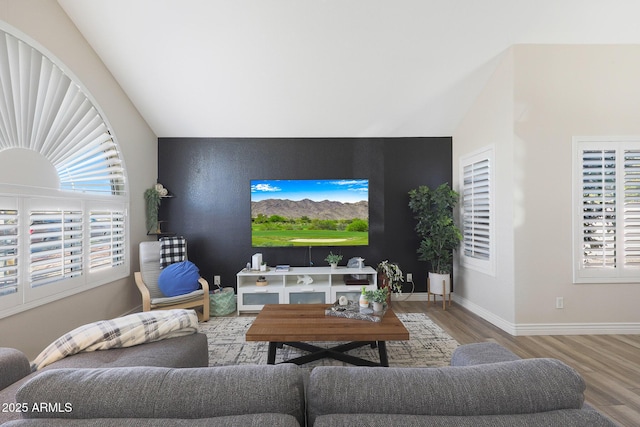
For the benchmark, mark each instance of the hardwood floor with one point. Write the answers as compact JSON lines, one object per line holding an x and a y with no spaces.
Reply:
{"x":610,"y":364}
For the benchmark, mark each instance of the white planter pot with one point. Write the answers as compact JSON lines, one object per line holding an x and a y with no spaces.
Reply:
{"x":435,"y":283}
{"x":378,"y":306}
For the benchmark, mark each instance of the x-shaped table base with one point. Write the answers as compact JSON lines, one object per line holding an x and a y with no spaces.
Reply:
{"x":337,"y":352}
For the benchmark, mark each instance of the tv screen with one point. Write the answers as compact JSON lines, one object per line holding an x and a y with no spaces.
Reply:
{"x":313,"y":212}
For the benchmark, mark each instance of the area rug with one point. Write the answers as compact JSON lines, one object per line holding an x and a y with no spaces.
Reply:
{"x":428,"y":345}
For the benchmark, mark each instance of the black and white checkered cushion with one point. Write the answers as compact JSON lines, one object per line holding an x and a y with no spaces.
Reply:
{"x":173,"y":249}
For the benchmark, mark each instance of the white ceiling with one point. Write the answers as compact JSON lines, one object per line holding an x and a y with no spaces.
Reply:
{"x":296,"y":68}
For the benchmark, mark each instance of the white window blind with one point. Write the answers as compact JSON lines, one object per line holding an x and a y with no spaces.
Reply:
{"x":55,"y":245}
{"x":632,"y":209}
{"x":8,"y":251}
{"x":607,"y":199}
{"x":107,"y":239}
{"x":477,"y":211}
{"x":599,"y":208}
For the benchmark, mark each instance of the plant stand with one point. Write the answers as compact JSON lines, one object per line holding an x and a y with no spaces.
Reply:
{"x":444,"y":293}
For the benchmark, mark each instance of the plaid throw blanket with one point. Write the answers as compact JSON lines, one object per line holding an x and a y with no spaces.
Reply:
{"x":172,"y":249}
{"x":124,"y":331}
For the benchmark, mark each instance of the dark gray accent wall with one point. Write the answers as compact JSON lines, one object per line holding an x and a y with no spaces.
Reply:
{"x":210,"y":179}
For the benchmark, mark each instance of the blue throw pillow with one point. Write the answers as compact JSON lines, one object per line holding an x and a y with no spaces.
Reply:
{"x":179,"y":278}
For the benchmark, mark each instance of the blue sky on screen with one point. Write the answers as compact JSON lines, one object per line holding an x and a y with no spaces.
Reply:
{"x":342,"y":190}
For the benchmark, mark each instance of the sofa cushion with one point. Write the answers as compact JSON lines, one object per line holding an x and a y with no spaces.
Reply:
{"x":179,"y":278}
{"x":564,"y":418}
{"x":250,"y":420}
{"x":480,"y":353}
{"x":515,"y":387}
{"x":142,"y":392}
{"x":13,"y":366}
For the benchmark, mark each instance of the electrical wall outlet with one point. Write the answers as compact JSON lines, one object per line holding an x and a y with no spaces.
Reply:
{"x":409,"y":277}
{"x":559,"y":302}
{"x":216,"y":280}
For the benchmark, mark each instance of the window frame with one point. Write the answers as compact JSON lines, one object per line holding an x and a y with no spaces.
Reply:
{"x":482,"y":265}
{"x":28,"y":297}
{"x":618,"y":273}
{"x":76,"y":138}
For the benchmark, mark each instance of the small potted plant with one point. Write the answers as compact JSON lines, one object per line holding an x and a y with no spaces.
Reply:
{"x":152,"y":204}
{"x":390,"y":276}
{"x":378,"y":297}
{"x":333,"y":259}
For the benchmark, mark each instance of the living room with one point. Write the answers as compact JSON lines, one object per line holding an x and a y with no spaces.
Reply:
{"x":527,"y":101}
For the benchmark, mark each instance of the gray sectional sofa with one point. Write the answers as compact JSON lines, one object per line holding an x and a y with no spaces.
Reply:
{"x":486,"y":385}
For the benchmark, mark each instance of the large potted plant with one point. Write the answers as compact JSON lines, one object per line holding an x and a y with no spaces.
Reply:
{"x":439,"y":235}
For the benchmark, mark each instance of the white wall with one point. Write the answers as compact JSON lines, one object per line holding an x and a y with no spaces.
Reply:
{"x":490,"y":123}
{"x":46,"y":23}
{"x":557,"y":92}
{"x":567,"y":91}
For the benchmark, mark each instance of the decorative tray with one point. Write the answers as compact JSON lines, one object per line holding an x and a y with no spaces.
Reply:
{"x":353,"y":311}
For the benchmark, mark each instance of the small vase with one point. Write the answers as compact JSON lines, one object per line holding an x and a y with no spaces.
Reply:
{"x":363,"y":302}
{"x":334,"y":265}
{"x":378,"y":306}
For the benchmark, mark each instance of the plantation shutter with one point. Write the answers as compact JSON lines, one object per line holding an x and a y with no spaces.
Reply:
{"x":476,"y":210}
{"x":107,"y":239}
{"x":608,"y":201}
{"x":632,"y":209}
{"x":43,"y":110}
{"x":8,"y":251}
{"x":55,"y":245}
{"x":599,"y":209}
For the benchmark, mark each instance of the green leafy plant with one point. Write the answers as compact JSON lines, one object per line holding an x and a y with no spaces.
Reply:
{"x":433,"y":209}
{"x":152,"y":199}
{"x":393,"y":274}
{"x":378,"y":295}
{"x":333,"y":258}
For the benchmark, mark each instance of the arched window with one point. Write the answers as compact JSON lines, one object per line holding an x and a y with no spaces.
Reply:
{"x":63,"y":192}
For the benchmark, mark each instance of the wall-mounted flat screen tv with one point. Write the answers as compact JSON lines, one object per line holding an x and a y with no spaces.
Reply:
{"x":310,"y":212}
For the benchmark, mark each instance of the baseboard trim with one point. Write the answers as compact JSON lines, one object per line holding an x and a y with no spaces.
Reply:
{"x":578,"y":329}
{"x":523,"y":329}
{"x":490,"y":317}
{"x":419,"y":296}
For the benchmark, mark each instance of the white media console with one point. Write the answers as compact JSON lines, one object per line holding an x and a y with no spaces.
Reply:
{"x":292,"y":287}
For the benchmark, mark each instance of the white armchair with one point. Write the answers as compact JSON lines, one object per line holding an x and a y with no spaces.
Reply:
{"x":152,"y":298}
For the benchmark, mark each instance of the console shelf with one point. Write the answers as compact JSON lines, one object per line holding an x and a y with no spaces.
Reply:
{"x":289,"y":287}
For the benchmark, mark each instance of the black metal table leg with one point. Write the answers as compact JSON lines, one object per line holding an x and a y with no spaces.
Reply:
{"x":382,"y":349}
{"x":271,"y":355}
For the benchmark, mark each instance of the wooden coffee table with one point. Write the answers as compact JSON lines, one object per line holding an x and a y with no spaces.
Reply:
{"x":297,"y":325}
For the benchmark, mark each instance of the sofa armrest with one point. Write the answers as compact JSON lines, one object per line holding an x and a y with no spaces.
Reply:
{"x":481,"y":353}
{"x":148,"y":392}
{"x":14,"y":366}
{"x":517,"y":387}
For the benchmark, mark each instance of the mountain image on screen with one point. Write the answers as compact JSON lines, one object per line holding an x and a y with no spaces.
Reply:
{"x":328,"y":212}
